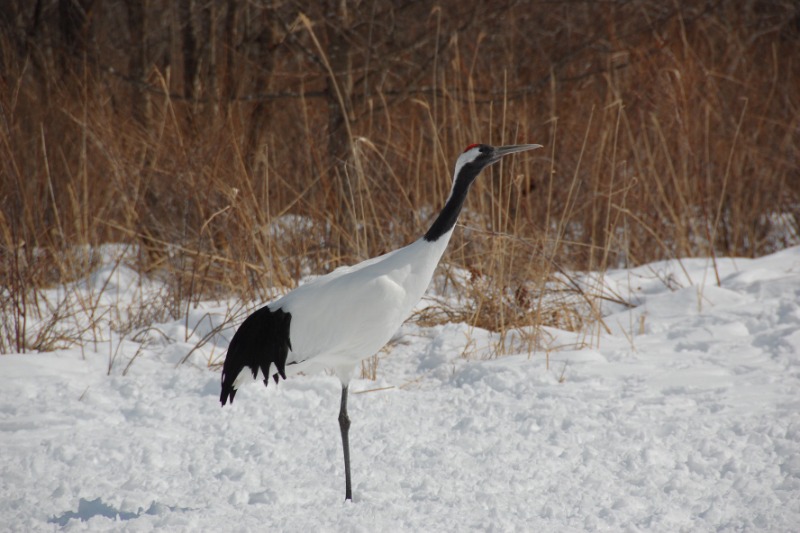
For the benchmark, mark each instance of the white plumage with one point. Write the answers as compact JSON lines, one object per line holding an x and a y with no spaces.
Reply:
{"x":348,"y":315}
{"x":339,"y":319}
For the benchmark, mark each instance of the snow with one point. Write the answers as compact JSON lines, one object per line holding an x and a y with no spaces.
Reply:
{"x":683,"y":416}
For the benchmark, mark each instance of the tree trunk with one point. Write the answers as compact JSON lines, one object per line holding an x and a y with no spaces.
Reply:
{"x":189,"y":48}
{"x":338,"y":95}
{"x":137,"y":61}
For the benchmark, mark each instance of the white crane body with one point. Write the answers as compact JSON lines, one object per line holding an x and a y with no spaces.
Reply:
{"x":384,"y":289}
{"x":382,"y":293}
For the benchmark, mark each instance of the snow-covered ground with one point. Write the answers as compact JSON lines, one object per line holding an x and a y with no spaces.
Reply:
{"x":681,"y":414}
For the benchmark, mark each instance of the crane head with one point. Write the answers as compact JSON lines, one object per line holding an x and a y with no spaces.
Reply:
{"x":476,"y":157}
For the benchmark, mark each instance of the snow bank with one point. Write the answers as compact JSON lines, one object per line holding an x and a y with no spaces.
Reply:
{"x":686,"y":417}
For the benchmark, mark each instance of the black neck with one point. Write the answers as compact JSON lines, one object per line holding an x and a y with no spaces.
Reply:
{"x":452,"y":208}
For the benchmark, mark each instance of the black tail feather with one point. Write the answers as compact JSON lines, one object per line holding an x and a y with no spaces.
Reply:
{"x":261,"y":341}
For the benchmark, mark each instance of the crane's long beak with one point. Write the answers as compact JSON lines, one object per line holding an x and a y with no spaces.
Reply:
{"x":501,"y":151}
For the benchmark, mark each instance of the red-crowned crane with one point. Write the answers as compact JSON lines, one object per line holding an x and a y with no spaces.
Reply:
{"x":343,"y":317}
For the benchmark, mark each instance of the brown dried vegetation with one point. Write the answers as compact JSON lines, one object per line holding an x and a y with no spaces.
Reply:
{"x":190,"y":130}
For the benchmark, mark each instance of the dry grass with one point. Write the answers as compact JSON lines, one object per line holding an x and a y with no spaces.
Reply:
{"x":670,"y":130}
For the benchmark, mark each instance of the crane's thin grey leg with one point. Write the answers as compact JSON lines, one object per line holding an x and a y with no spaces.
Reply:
{"x":344,"y":425}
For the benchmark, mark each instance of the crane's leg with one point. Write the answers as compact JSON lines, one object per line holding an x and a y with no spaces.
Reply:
{"x":344,"y":425}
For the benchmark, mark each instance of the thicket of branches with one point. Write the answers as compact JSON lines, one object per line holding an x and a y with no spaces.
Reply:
{"x":191,"y":129}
